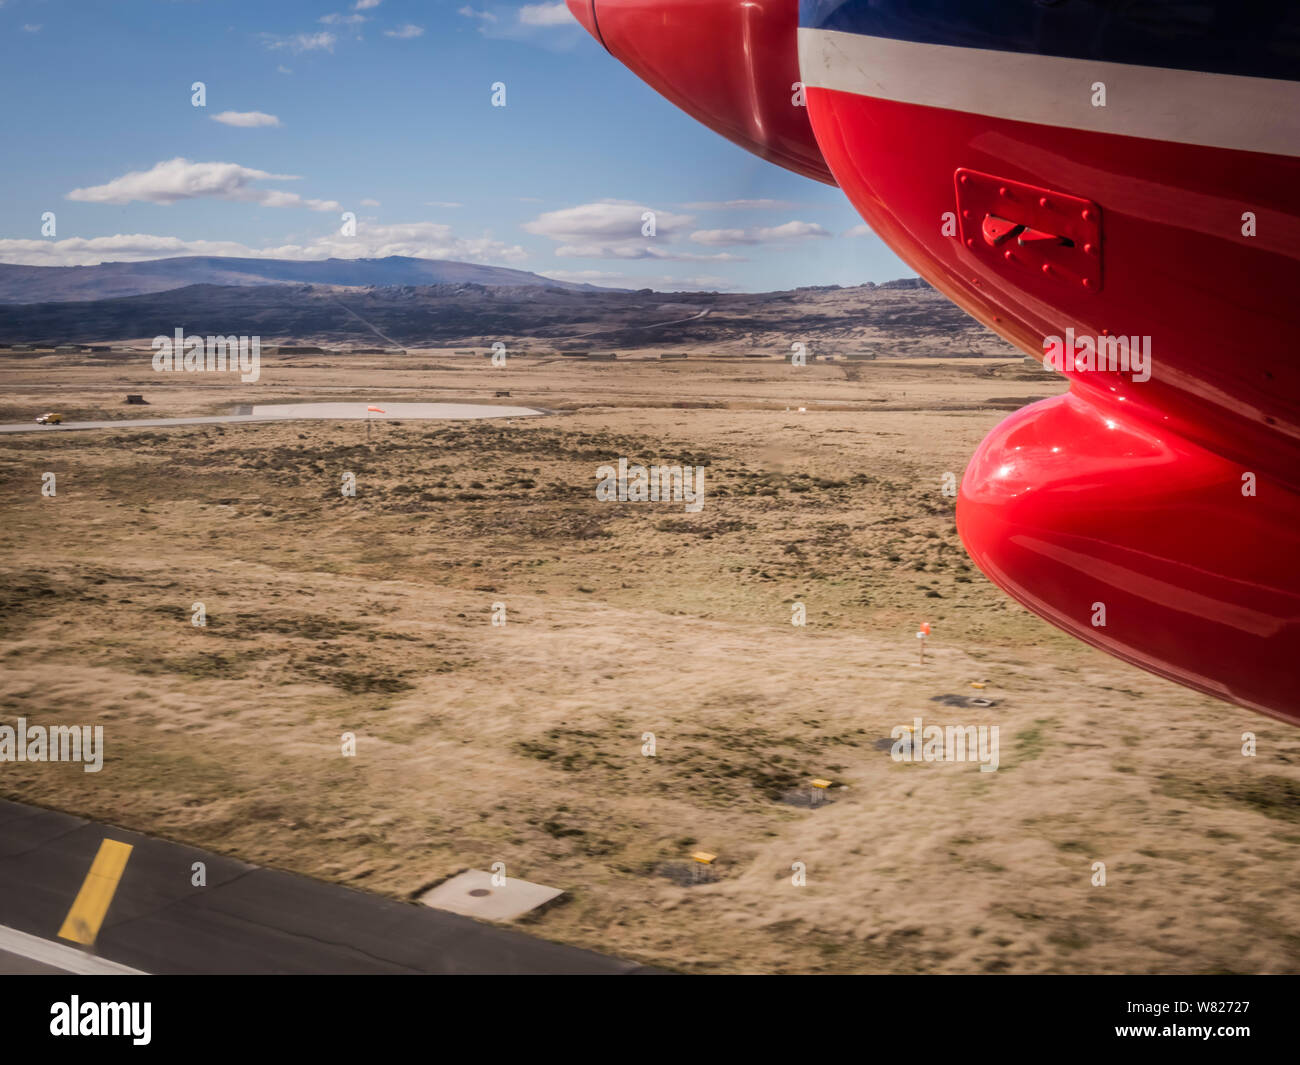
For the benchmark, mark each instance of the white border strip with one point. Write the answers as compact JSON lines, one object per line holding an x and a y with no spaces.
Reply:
{"x":59,"y":956}
{"x":1154,"y":103}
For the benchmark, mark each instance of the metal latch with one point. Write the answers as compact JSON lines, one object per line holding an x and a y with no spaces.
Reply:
{"x":1022,"y":227}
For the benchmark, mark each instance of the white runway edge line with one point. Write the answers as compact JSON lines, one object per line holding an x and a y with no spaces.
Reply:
{"x":60,"y":956}
{"x":1154,"y":103}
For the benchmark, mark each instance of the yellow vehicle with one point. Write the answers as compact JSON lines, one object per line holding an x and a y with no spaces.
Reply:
{"x":49,"y":419}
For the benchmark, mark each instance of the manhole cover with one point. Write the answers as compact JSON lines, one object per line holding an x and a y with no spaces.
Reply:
{"x":475,"y":894}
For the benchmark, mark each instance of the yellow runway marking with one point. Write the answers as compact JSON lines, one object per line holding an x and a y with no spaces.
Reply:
{"x":92,"y":901}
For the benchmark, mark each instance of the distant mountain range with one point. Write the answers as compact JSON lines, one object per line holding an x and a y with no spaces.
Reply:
{"x":904,"y":317}
{"x":61,"y":284}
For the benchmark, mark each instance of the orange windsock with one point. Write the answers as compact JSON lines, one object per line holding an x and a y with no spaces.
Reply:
{"x":377,"y":410}
{"x":925,"y":628}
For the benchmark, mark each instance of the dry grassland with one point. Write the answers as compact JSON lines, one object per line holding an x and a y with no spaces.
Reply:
{"x":523,"y":744}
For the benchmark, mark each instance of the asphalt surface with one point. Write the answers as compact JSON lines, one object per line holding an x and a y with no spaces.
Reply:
{"x":298,"y":412}
{"x":17,"y":965}
{"x":246,"y":920}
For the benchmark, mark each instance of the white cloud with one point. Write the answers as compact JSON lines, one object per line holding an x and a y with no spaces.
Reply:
{"x":301,"y":42}
{"x":180,"y":179}
{"x":740,"y":205}
{"x":442,"y":203}
{"x":425,"y":240}
{"x":365,"y":5}
{"x":648,"y":250}
{"x":536,"y":23}
{"x":613,"y":229}
{"x":546,"y":15}
{"x":342,"y":20}
{"x":406,"y":32}
{"x":788,"y":233}
{"x":369,"y":203}
{"x":32,"y":27}
{"x":246,"y":119}
{"x":609,"y":219}
{"x":123,"y":247}
{"x":858,"y":231}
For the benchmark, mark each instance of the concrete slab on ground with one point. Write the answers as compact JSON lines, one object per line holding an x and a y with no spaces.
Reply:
{"x":473,"y":894}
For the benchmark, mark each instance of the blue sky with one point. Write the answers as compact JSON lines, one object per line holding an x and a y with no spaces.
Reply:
{"x":384,"y":109}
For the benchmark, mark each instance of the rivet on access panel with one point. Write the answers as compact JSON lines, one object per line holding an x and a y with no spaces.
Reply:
{"x":964,"y":178}
{"x":1087,"y":282}
{"x":1087,"y":215}
{"x":1047,"y":268}
{"x":1087,"y":248}
{"x":965,"y":214}
{"x":1003,"y":191}
{"x":970,"y":243}
{"x":1042,"y":201}
{"x":1007,"y":254}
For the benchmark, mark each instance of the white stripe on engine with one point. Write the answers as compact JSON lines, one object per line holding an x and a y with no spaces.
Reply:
{"x":1155,"y":103}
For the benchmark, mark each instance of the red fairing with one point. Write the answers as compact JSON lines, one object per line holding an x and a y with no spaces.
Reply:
{"x":731,"y":64}
{"x":1141,"y":543}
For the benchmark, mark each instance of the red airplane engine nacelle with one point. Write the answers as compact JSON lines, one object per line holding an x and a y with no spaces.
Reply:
{"x":731,"y":64}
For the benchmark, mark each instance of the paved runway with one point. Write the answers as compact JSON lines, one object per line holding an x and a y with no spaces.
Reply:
{"x":246,"y":920}
{"x":17,"y":965}
{"x":299,"y":412}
